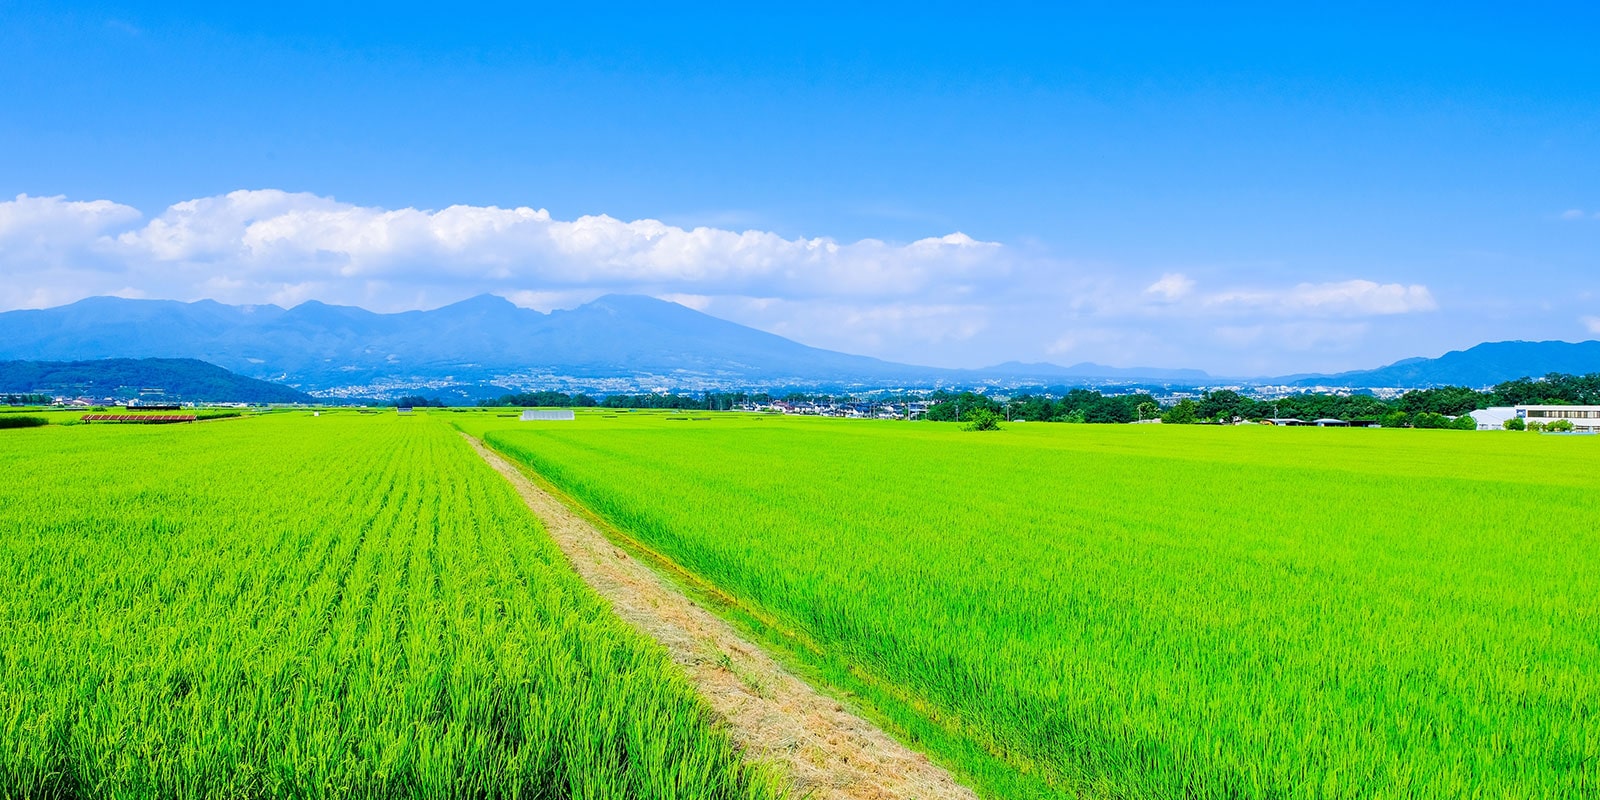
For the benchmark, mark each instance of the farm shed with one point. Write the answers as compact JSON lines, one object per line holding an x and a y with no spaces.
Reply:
{"x":1329,"y":422}
{"x":536,"y":415}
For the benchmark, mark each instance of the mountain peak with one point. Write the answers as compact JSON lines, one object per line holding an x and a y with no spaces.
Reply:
{"x":481,"y":302}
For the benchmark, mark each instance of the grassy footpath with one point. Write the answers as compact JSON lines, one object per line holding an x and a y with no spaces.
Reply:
{"x":287,"y":606}
{"x":1149,"y":612}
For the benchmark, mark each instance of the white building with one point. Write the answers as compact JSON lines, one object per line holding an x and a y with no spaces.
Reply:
{"x":547,"y":415}
{"x":1493,"y":419}
{"x":1583,"y":418}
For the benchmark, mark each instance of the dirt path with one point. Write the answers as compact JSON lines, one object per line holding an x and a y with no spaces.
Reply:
{"x":828,"y":751}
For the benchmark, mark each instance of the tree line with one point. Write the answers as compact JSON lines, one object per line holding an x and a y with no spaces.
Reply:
{"x":1440,"y":407}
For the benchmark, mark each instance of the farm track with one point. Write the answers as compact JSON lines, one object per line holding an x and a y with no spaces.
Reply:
{"x":827,"y":751}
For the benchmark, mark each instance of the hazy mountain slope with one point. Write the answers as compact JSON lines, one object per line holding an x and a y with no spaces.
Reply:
{"x":317,"y":346}
{"x":1482,"y":365}
{"x":122,"y":378}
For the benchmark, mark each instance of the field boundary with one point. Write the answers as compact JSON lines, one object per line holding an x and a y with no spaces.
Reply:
{"x":772,"y":714}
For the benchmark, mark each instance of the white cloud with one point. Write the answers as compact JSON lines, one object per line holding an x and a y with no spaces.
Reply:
{"x":284,"y":247}
{"x":54,"y":230}
{"x":1573,"y":213}
{"x":1171,"y":286}
{"x":279,"y":237}
{"x":1592,"y":323}
{"x":1340,"y":298}
{"x":549,"y":301}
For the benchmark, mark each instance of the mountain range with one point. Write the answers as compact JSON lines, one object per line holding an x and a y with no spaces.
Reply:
{"x":178,"y":379}
{"x":1482,"y":365}
{"x":487,"y":344}
{"x":485,"y":341}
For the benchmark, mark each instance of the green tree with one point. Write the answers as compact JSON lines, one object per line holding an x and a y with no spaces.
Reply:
{"x":1514,"y":424}
{"x":982,"y":420}
{"x":1149,"y":410}
{"x":1224,"y":405}
{"x":1429,"y":419}
{"x":1185,"y":412}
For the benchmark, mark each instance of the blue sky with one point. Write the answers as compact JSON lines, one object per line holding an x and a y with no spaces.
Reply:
{"x":1247,"y":191}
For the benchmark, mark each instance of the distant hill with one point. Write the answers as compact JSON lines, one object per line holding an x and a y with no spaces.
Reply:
{"x":180,"y":379}
{"x":1482,"y":365}
{"x":485,"y":341}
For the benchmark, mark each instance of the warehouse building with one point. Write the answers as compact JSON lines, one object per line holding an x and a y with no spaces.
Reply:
{"x":1493,"y":419}
{"x":1583,"y":418}
{"x":542,"y":415}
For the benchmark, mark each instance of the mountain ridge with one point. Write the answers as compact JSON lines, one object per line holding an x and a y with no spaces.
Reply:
{"x":616,"y":342}
{"x":180,"y":379}
{"x":1481,"y":365}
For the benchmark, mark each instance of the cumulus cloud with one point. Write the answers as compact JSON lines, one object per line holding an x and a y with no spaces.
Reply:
{"x":284,"y":247}
{"x":1340,"y":298}
{"x":53,"y":230}
{"x":1171,"y":286}
{"x":278,"y":236}
{"x":1592,"y":323}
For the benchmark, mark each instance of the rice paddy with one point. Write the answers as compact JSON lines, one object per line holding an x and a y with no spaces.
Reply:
{"x":354,"y":605}
{"x":349,"y":606}
{"x":1144,"y":611}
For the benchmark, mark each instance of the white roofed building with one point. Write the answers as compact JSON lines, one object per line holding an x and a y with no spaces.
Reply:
{"x":1583,"y":418}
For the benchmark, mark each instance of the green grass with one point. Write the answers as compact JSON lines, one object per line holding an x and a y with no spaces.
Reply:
{"x":1143,"y":611}
{"x":341,"y":607}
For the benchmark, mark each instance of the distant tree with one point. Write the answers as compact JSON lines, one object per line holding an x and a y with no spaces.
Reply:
{"x":1536,"y":426}
{"x":1447,"y":400}
{"x":982,"y":420}
{"x":1148,"y":410}
{"x":1224,"y":405}
{"x":961,"y":407}
{"x":1429,"y":419}
{"x":1553,"y":389}
{"x":1185,"y":412}
{"x":1514,"y":424}
{"x":1031,"y":407}
{"x":1465,"y":422}
{"x":1559,"y":426}
{"x":1075,"y":416}
{"x":1395,"y":419}
{"x":418,"y":401}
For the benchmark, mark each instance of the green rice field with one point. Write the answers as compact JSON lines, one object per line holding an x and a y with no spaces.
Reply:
{"x":1145,"y":611}
{"x":350,"y":606}
{"x":355,"y":605}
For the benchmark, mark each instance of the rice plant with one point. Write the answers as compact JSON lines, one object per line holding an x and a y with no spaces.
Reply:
{"x":1144,"y":611}
{"x":344,"y":606}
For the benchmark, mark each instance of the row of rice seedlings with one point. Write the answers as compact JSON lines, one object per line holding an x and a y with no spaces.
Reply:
{"x":1198,"y":613}
{"x":338,"y":607}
